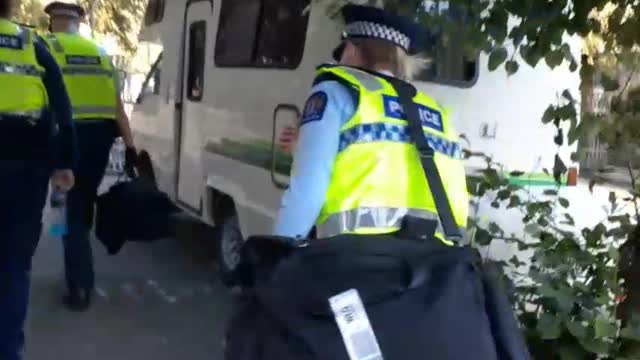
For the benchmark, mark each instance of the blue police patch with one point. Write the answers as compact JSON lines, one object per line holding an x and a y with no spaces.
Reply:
{"x":315,"y":107}
{"x":10,"y":42}
{"x":430,"y":118}
{"x":83,"y":60}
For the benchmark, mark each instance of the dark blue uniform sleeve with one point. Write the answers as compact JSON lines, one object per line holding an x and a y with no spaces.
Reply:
{"x":60,"y":107}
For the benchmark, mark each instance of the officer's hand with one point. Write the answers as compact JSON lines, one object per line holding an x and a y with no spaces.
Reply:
{"x":63,"y":180}
{"x":287,"y":139}
{"x":130,"y":161}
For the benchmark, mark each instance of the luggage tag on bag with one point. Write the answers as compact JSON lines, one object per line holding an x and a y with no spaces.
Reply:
{"x":354,"y":325}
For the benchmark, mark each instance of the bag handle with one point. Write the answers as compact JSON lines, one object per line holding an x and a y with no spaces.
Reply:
{"x":406,"y":93}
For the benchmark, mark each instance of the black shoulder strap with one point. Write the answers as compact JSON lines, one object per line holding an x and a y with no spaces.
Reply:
{"x":406,"y":93}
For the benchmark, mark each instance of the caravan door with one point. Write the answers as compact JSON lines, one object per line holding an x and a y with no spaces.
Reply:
{"x":191,"y":112}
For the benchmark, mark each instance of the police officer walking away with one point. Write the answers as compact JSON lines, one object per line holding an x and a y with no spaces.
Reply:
{"x":379,"y":173}
{"x":33,"y":95}
{"x":99,"y":117}
{"x":356,"y":170}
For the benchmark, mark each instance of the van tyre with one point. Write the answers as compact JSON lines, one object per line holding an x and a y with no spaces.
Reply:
{"x":229,"y":246}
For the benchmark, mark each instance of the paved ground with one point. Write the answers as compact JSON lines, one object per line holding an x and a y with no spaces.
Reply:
{"x":155,"y":301}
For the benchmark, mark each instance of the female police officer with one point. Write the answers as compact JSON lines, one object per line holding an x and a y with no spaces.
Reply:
{"x":358,"y":172}
{"x":30,"y":84}
{"x":355,"y":168}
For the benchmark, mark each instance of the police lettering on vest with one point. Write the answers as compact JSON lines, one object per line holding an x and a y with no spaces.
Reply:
{"x":10,"y":42}
{"x":430,"y":118}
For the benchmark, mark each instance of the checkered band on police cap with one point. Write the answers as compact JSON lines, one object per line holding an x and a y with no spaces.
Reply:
{"x":378,"y":31}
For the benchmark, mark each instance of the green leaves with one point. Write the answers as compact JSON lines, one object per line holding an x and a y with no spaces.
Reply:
{"x":559,"y":138}
{"x":549,"y":114}
{"x":554,"y":58}
{"x":576,"y":329}
{"x":608,"y":83}
{"x":569,"y":220}
{"x":483,"y":237}
{"x":512,"y":67}
{"x":595,"y":346}
{"x":604,"y":328}
{"x":497,"y":57}
{"x":549,"y":326}
{"x":559,"y":168}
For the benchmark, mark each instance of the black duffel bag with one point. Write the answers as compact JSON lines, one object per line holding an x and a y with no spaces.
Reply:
{"x":132,"y":211}
{"x":424,"y":300}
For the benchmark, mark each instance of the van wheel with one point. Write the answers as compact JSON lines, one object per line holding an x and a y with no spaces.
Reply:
{"x":229,"y":246}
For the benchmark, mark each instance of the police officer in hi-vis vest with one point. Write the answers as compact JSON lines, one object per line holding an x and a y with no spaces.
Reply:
{"x":35,"y":123}
{"x":99,"y":117}
{"x":356,"y":170}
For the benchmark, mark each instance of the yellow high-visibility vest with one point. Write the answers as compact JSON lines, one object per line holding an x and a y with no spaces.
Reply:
{"x":378,"y":177}
{"x":88,"y":76}
{"x":23,"y":93}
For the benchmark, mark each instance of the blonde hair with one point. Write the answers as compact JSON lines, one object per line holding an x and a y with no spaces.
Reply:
{"x":378,"y":53}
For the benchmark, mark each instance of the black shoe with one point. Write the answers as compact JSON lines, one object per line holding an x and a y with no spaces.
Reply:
{"x":78,"y":299}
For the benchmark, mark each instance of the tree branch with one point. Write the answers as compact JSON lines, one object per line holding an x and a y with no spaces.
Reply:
{"x":626,"y":85}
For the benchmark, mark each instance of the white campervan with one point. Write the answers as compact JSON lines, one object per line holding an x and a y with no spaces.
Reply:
{"x":227,"y":76}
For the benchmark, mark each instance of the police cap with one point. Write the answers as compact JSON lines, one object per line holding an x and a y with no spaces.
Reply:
{"x":375,"y":23}
{"x":64,"y":9}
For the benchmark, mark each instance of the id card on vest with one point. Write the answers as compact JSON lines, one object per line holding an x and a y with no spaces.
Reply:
{"x":354,"y":325}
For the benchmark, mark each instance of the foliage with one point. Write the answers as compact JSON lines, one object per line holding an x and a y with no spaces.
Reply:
{"x":566,"y":280}
{"x":31,"y":13}
{"x":121,"y":18}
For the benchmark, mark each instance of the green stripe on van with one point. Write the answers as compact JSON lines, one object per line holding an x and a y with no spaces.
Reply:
{"x":258,"y":153}
{"x":537,"y":180}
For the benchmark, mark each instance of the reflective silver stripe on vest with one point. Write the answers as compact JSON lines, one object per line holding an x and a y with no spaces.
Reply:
{"x":19,"y":69}
{"x":372,"y":218}
{"x":25,"y":114}
{"x":93,"y":110}
{"x":82,"y":71}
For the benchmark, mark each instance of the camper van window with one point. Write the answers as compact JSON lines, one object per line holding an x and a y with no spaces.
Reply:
{"x":447,"y":62}
{"x":197,"y":46}
{"x":154,"y":13}
{"x":262,"y":33}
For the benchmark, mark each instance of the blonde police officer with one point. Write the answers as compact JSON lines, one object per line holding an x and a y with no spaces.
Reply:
{"x":99,"y":117}
{"x":356,"y":171}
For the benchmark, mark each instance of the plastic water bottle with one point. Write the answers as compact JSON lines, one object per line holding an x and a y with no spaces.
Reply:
{"x":58,"y":215}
